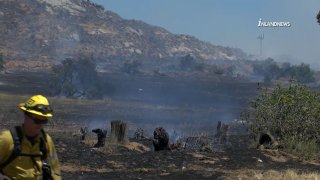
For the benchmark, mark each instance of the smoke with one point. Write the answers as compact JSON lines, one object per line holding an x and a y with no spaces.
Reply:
{"x":186,"y":106}
{"x":98,"y":123}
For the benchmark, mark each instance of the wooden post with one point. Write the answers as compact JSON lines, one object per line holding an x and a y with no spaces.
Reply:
{"x":119,"y":132}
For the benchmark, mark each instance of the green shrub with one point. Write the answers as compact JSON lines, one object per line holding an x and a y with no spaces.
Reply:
{"x":291,"y":114}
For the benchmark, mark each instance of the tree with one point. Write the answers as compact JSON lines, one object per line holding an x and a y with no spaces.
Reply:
{"x":77,"y":78}
{"x":302,"y":73}
{"x":216,"y":70}
{"x":268,"y":68}
{"x":187,"y":62}
{"x":229,"y":70}
{"x":286,"y":70}
{"x":131,"y":66}
{"x":271,"y":70}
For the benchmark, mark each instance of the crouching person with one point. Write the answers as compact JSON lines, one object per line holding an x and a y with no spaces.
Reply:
{"x":26,"y":151}
{"x":160,"y":139}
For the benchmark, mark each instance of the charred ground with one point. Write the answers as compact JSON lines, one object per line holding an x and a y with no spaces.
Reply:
{"x":81,"y":161}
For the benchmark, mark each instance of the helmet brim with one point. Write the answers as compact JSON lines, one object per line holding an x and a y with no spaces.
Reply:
{"x":23,"y":108}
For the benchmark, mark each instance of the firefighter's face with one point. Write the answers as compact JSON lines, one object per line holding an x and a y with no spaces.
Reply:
{"x":38,"y":119}
{"x":34,"y":123}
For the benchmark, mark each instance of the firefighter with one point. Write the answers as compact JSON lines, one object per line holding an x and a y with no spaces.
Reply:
{"x":27,"y":152}
{"x":160,"y":139}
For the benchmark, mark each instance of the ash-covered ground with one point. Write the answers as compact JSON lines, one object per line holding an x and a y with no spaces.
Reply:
{"x":138,"y":160}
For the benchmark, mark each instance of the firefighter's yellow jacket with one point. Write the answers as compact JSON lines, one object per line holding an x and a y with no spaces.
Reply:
{"x":23,"y":167}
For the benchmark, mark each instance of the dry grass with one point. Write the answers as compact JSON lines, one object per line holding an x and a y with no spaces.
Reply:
{"x":290,"y":174}
{"x":287,"y":175}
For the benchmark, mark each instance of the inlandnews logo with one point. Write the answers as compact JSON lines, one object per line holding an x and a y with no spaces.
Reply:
{"x":262,"y":23}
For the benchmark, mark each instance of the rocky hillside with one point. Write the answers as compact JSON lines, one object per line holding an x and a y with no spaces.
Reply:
{"x":42,"y":32}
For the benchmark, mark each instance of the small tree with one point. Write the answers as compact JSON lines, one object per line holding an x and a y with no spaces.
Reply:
{"x":187,"y":62}
{"x":271,"y":70}
{"x":302,"y":73}
{"x":268,"y":68}
{"x":131,"y":66}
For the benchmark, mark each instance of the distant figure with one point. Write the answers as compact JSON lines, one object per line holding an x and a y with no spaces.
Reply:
{"x":160,"y":139}
{"x":139,"y":133}
{"x":83,"y":132}
{"x":101,"y":134}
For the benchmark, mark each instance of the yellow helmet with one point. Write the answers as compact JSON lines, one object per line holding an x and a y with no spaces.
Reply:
{"x":38,"y":105}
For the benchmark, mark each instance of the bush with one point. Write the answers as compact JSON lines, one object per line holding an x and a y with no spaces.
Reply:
{"x":289,"y":113}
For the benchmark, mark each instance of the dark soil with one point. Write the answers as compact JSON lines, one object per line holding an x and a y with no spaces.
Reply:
{"x":81,"y":161}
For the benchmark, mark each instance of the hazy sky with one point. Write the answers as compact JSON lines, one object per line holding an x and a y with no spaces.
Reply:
{"x":234,"y":23}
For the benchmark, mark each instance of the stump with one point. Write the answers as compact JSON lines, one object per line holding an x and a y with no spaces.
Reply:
{"x":119,"y":132}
